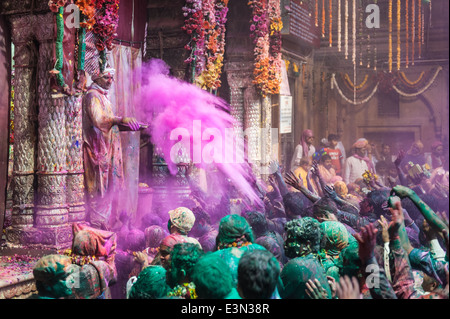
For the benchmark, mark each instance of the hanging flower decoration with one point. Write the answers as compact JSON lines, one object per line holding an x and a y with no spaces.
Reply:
{"x":275,"y":27}
{"x":193,"y":26}
{"x":106,"y":22}
{"x":407,"y":33}
{"x":265,"y":30}
{"x":386,"y":81}
{"x":260,"y":35}
{"x":56,"y":5}
{"x":87,"y":10}
{"x":205,"y":24}
{"x":58,"y":8}
{"x":215,"y":17}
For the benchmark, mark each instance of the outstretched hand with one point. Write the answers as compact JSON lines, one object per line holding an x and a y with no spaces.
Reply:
{"x":348,"y":288}
{"x":274,"y":167}
{"x":367,"y":242}
{"x":330,"y":191}
{"x":397,"y":220}
{"x":402,"y":191}
{"x":292,"y":180}
{"x":132,"y":123}
{"x":400,"y":157}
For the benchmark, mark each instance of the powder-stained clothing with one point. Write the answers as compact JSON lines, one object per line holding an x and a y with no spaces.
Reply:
{"x":102,"y":154}
{"x":232,"y":255}
{"x":423,"y":261}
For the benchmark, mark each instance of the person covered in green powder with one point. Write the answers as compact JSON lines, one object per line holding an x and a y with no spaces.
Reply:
{"x":213,"y":279}
{"x":150,"y":284}
{"x":235,"y":237}
{"x":335,"y":238}
{"x":54,"y":275}
{"x":303,"y":237}
{"x":258,"y":275}
{"x":179,"y":276}
{"x":298,"y":274}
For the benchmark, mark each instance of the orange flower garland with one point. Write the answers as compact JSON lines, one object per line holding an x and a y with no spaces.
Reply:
{"x":323,"y":18}
{"x":407,"y":31}
{"x":398,"y":34}
{"x":331,"y":23}
{"x":390,"y":35}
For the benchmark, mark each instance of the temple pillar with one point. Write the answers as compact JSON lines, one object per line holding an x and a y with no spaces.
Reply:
{"x":252,"y":114}
{"x":52,"y":210}
{"x":75,"y":172}
{"x":25,"y":115}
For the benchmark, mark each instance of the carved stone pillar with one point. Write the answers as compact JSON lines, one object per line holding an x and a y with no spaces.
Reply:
{"x":24,"y":130}
{"x":252,"y":113}
{"x":75,"y":171}
{"x":52,"y":211}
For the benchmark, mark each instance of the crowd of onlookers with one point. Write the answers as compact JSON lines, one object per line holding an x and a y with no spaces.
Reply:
{"x":331,"y":226}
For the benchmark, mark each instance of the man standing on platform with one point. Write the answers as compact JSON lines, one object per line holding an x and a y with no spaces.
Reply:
{"x":103,"y":165}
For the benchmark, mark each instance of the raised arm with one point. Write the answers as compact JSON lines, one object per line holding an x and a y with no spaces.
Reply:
{"x":297,"y":183}
{"x":431,"y":217}
{"x":274,"y":168}
{"x":376,"y":279}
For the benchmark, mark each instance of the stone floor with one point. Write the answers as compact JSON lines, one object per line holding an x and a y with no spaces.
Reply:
{"x":16,"y":272}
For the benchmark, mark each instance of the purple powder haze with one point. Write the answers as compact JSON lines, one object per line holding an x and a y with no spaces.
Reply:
{"x":167,"y":103}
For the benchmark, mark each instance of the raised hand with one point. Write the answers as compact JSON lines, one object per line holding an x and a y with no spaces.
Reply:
{"x":315,"y":290}
{"x":397,"y":220}
{"x":348,"y":288}
{"x":330,"y":191}
{"x":367,"y":242}
{"x":402,"y":191}
{"x":315,"y":168}
{"x":274,"y":167}
{"x":384,"y":229}
{"x":292,"y":180}
{"x":400,"y":157}
{"x":333,"y":285}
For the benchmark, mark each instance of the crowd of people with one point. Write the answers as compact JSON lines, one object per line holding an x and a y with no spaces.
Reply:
{"x":372,"y":225}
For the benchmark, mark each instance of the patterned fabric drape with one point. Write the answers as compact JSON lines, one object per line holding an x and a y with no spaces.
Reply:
{"x":127,"y":62}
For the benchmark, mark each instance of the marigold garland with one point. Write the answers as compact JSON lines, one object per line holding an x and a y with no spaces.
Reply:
{"x":335,"y":84}
{"x":412,"y":83}
{"x":346,"y":29}
{"x":419,"y":27}
{"x":330,"y":13}
{"x":214,"y":17}
{"x":339,"y":27}
{"x":323,"y":18}
{"x":358,"y":87}
{"x":354,"y":32}
{"x":407,"y":32}
{"x":398,"y":34}
{"x":265,"y":30}
{"x":390,"y":35}
{"x":421,"y":90}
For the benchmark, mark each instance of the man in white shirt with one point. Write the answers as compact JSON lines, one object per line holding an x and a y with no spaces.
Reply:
{"x":358,"y":163}
{"x":303,"y":149}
